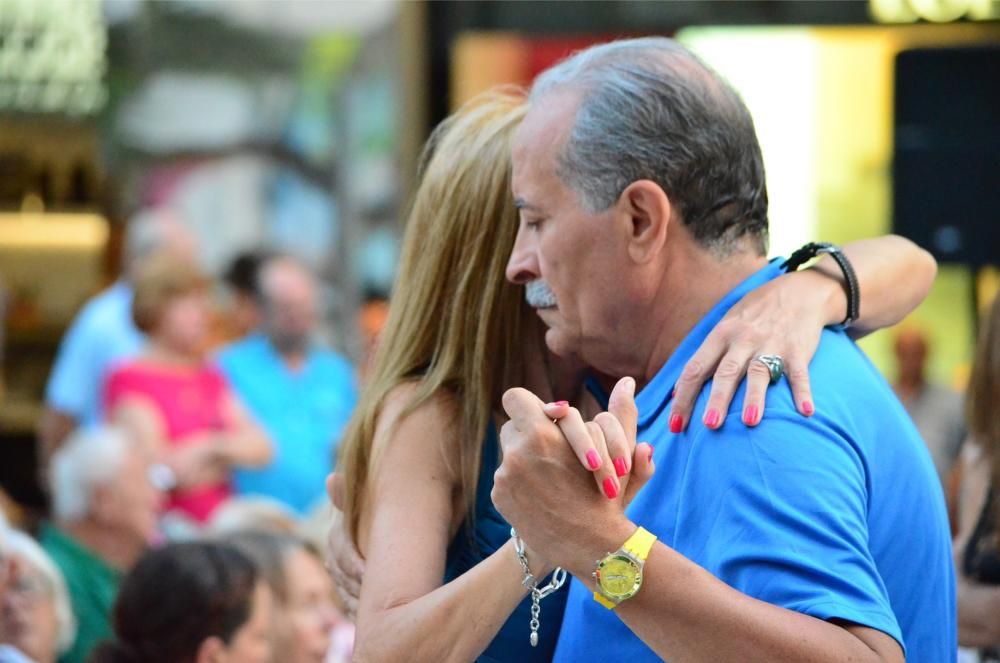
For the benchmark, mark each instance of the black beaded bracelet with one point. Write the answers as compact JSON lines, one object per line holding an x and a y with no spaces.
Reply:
{"x":813,"y":249}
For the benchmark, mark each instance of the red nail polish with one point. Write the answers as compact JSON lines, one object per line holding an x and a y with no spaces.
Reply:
{"x":676,"y":423}
{"x":593,"y":459}
{"x":620,"y":467}
{"x":750,"y":416}
{"x":807,"y":408}
{"x":712,"y":418}
{"x":610,"y":489}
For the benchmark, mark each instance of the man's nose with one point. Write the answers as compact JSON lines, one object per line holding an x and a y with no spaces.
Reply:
{"x":523,"y":264}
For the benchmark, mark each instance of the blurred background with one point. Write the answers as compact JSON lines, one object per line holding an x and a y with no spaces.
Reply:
{"x":295,"y":126}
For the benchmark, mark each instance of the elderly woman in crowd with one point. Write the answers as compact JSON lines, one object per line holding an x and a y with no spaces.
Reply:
{"x":105,"y":507}
{"x":191,"y":603}
{"x":35,"y":615}
{"x":174,"y":401}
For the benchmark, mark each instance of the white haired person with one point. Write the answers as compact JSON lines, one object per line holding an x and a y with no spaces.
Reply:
{"x":35,"y":615}
{"x":105,"y":508}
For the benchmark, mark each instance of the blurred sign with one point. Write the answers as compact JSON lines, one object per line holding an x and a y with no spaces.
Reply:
{"x":52,"y":56}
{"x":936,"y":11}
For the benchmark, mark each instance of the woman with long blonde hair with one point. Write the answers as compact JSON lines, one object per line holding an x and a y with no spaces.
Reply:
{"x":443,"y":581}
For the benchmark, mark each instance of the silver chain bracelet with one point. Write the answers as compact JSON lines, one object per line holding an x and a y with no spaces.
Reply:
{"x":529,"y":582}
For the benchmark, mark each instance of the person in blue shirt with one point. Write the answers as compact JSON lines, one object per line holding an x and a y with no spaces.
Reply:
{"x":300,"y":393}
{"x":823,"y":537}
{"x":103,"y":333}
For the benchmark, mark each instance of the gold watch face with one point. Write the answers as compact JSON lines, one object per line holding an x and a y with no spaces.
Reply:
{"x":619,"y":577}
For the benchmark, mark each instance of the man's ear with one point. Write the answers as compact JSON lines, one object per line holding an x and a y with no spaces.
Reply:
{"x":647,"y":210}
{"x":212,"y":650}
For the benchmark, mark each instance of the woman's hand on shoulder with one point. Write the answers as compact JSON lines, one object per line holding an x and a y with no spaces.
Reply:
{"x":782,"y":317}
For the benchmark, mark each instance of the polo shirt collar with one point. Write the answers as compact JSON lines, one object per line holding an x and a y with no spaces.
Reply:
{"x":658,"y":393}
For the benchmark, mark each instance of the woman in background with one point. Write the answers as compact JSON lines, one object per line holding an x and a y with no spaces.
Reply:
{"x":977,"y":546}
{"x":191,"y":603}
{"x":175,"y":401}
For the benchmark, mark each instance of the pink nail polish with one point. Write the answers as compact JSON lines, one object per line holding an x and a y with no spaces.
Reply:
{"x":650,"y":459}
{"x":593,"y":459}
{"x":557,"y":404}
{"x":807,"y":408}
{"x":750,"y":416}
{"x":562,"y":402}
{"x":676,"y":423}
{"x":610,"y":489}
{"x":620,"y":467}
{"x":712,"y":418}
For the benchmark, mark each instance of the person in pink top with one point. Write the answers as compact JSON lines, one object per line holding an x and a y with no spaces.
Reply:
{"x":176,"y":402}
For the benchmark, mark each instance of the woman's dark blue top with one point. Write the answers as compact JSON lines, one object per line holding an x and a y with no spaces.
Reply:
{"x":488,"y":534}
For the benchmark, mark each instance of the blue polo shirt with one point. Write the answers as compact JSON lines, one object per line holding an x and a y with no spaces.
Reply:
{"x":303,"y":412}
{"x":840,"y":515}
{"x":102,"y":335}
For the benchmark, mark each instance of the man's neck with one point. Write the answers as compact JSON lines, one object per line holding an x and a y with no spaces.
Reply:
{"x":118,"y":551}
{"x":694,"y":283}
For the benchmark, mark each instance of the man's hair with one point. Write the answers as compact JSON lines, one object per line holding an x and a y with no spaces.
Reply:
{"x":88,"y":460}
{"x":147,"y":232}
{"x":650,"y":109}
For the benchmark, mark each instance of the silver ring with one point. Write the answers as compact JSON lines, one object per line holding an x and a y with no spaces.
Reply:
{"x":775,"y":366}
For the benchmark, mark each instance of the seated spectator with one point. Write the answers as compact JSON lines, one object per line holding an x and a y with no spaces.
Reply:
{"x":935,"y":409}
{"x":304,"y":617}
{"x":35,"y":614}
{"x":103,"y":333}
{"x":254,"y":513}
{"x":192,"y":602}
{"x":242,"y":280}
{"x":105,"y":508}
{"x":977,"y":548}
{"x":301,"y":394}
{"x":173,"y":401}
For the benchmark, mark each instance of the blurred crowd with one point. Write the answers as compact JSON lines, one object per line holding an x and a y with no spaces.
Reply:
{"x":185,"y":456}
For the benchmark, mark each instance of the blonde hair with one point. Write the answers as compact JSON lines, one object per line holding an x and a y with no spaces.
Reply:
{"x":454,"y":320}
{"x":158,"y":281}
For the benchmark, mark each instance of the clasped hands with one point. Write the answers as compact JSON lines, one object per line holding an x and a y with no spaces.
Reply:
{"x":564,"y":482}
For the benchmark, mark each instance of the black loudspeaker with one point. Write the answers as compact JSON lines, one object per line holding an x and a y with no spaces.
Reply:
{"x":946,"y":159}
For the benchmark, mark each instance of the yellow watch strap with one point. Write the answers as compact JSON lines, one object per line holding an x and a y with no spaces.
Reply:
{"x":640,"y":543}
{"x":605,"y":601}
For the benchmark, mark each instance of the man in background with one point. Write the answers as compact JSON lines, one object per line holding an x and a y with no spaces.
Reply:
{"x":103,"y":334}
{"x":105,"y":507}
{"x":301,"y":393}
{"x":936,"y":410}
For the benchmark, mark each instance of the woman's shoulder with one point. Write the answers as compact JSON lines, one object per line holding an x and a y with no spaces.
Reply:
{"x":426,"y":422}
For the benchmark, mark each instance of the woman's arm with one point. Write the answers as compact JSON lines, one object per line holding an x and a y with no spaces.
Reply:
{"x":787,"y":316}
{"x":244,"y":443}
{"x":410,"y":514}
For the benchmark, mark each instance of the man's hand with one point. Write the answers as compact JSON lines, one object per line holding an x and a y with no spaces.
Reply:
{"x":543,"y":492}
{"x":342,"y":559}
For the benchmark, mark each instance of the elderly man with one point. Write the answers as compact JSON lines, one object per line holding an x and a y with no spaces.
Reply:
{"x":105,"y":508}
{"x":302,"y":394}
{"x":103,"y":333}
{"x":640,"y":185}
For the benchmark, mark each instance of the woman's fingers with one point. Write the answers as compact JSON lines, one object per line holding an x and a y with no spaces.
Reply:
{"x":588,"y":443}
{"x":728,"y":375}
{"x":797,"y":373}
{"x":758,"y":380}
{"x":617,"y":442}
{"x":696,"y":373}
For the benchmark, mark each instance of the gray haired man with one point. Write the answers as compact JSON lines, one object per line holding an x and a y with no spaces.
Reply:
{"x":640,"y":185}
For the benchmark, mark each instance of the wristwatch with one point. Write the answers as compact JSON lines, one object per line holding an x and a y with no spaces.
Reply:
{"x":618,"y":576}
